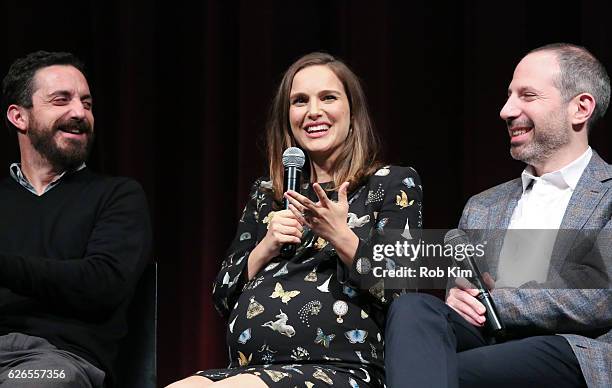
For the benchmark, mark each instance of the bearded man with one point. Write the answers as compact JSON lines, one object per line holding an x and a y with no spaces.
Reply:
{"x":73,"y":244}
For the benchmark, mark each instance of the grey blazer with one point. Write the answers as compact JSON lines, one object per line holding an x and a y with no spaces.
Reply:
{"x":583,"y":316}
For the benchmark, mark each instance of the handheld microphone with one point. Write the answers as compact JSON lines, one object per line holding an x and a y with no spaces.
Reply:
{"x":493,"y":324}
{"x":293,"y":161}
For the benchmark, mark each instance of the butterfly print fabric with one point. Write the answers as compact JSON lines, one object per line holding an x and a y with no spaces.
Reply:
{"x":310,"y":321}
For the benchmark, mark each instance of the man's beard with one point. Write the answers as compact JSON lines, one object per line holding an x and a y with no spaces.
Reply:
{"x":73,"y":153}
{"x":552,"y":134}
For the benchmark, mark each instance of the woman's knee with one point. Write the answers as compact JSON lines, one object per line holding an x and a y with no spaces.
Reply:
{"x":191,"y":382}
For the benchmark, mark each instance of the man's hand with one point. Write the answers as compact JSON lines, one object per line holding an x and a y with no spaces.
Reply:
{"x":463,"y":300}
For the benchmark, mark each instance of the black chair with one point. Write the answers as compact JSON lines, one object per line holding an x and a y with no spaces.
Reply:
{"x":137,"y":360}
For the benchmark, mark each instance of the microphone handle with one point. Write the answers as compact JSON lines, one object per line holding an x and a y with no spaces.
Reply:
{"x":293,"y":176}
{"x":493,"y":323}
{"x":287,"y":250}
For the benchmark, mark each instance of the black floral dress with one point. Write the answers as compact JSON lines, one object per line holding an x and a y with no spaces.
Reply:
{"x":310,"y":321}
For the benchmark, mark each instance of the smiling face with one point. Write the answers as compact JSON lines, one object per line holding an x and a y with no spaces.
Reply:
{"x":60,"y":121}
{"x":536,"y":115}
{"x":319,"y":112}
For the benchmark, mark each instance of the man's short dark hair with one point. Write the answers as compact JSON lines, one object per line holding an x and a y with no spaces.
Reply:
{"x":18,"y":84}
{"x":581,"y":72}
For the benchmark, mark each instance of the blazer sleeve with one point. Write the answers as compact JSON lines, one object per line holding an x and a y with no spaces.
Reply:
{"x":555,"y":310}
{"x":465,"y":215}
{"x":579,"y":299}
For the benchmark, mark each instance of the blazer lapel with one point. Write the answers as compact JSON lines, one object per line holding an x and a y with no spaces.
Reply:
{"x":500,"y":214}
{"x":501,"y":210}
{"x":587,"y":195}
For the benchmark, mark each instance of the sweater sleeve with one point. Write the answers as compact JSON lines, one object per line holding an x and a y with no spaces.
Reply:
{"x":233,"y":274}
{"x":400,"y":210}
{"x":94,"y":285}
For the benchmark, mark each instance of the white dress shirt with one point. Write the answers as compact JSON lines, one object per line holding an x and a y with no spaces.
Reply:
{"x":529,"y":241}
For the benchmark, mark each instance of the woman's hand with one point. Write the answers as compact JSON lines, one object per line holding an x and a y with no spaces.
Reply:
{"x":327,"y":219}
{"x":283,"y":228}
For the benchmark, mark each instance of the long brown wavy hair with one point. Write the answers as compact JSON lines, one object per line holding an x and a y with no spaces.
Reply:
{"x":358,"y":158}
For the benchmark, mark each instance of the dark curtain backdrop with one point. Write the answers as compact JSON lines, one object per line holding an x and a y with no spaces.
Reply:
{"x":182,"y":91}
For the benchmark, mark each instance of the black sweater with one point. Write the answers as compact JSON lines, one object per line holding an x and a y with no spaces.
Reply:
{"x":70,"y":260}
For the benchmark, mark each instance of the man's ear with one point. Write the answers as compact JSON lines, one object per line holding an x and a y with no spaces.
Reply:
{"x":582,"y":107}
{"x":18,"y":116}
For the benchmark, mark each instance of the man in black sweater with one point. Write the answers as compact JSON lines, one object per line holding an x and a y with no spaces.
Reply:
{"x":73,"y":244}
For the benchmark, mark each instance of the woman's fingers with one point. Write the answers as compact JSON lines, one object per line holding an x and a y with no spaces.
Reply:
{"x":286,"y":217}
{"x":298,"y":215}
{"x":285,"y":228}
{"x":297,"y":204}
{"x":304,"y":201}
{"x":284,"y":233}
{"x":343,"y":193}
{"x":304,"y":213}
{"x":323,"y":200}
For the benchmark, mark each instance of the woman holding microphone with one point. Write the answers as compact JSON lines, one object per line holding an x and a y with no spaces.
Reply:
{"x":315,"y":318}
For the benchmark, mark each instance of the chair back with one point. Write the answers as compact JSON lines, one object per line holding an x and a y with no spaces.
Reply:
{"x":136,"y":365}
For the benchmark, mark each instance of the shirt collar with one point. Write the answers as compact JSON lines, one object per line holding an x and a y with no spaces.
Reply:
{"x":17,"y":174}
{"x":566,"y":177}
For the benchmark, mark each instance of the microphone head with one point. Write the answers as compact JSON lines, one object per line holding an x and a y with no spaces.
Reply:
{"x":456,"y":237}
{"x":294,"y":157}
